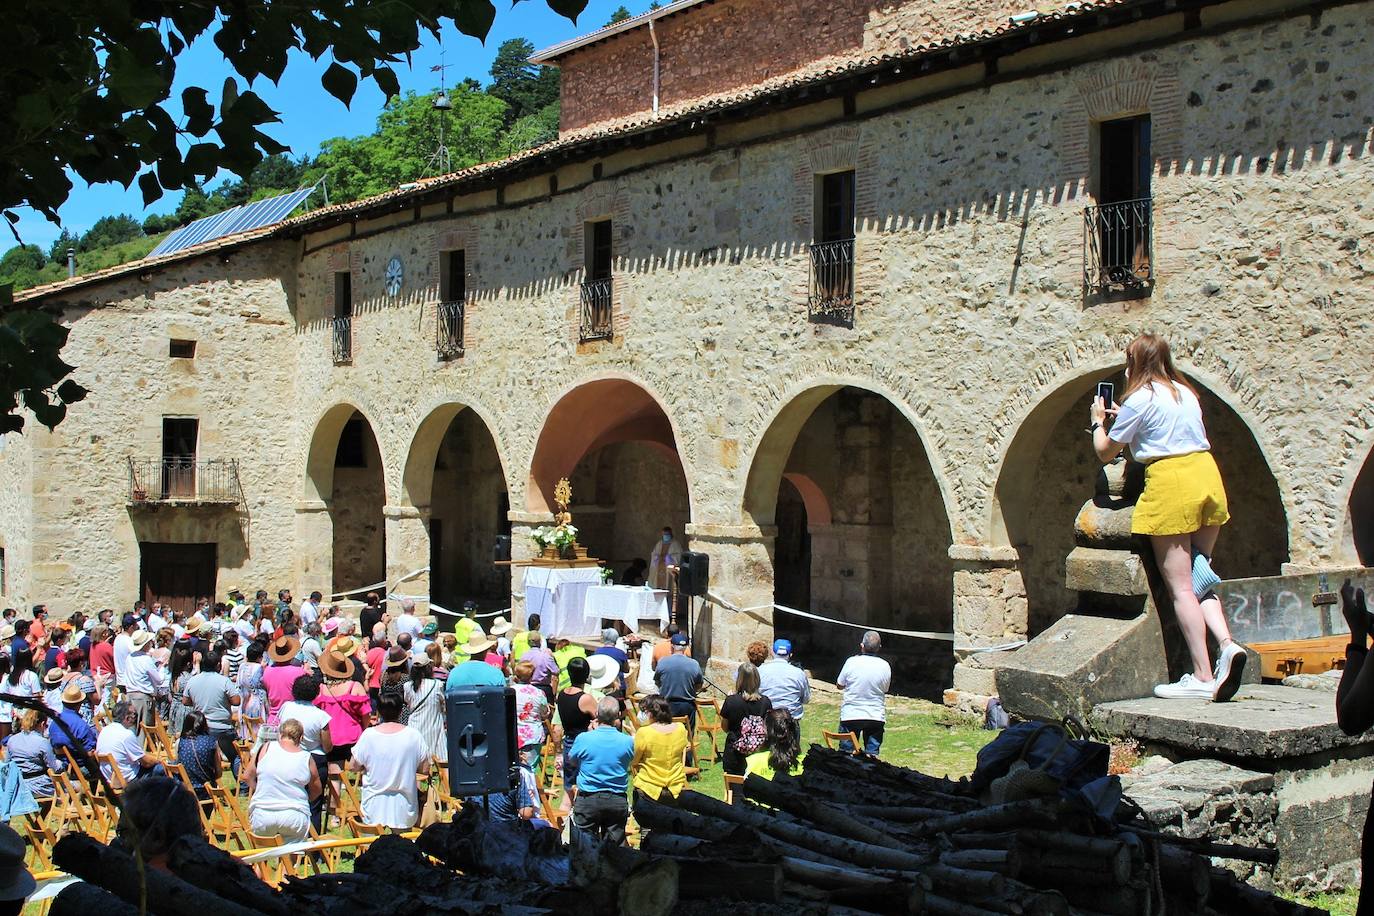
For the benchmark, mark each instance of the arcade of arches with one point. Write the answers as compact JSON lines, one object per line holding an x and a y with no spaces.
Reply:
{"x":849,"y":516}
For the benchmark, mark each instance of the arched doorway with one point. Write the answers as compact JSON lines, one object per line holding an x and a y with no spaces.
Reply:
{"x":454,"y":471}
{"x":1049,"y":472}
{"x":615,"y":443}
{"x":1362,"y":514}
{"x":344,"y":473}
{"x":862,"y":533}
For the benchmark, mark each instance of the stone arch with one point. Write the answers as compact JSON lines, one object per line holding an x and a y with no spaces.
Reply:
{"x":782,"y":424}
{"x":318,"y":483}
{"x":1047,"y":469}
{"x":591,"y":415}
{"x":848,"y":463}
{"x":417,"y":476}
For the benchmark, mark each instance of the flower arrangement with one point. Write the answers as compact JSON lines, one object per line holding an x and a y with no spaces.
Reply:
{"x":607,"y":575}
{"x":560,"y":536}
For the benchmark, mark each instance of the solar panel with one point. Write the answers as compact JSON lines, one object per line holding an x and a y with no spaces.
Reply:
{"x":253,"y":215}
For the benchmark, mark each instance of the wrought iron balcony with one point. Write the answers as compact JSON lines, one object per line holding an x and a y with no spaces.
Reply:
{"x":184,"y":481}
{"x":597,"y":305}
{"x":1118,"y":248}
{"x":448,"y":330}
{"x":831,"y":296}
{"x":343,"y":340}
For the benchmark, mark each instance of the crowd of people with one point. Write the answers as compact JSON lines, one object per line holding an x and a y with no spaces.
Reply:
{"x":288,"y":698}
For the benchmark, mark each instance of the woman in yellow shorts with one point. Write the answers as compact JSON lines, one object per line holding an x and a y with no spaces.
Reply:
{"x":1183,"y":506}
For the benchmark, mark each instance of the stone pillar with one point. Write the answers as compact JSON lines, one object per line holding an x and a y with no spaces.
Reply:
{"x":407,"y":549}
{"x":851,"y":568}
{"x":314,"y":548}
{"x":523,"y":548}
{"x":741,"y":574}
{"x":990,"y":609}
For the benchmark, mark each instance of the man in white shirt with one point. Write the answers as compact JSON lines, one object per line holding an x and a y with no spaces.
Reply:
{"x":243,"y":623}
{"x":865,"y":679}
{"x":310,"y":609}
{"x":120,"y":741}
{"x":124,"y":647}
{"x":144,"y":679}
{"x":783,"y":682}
{"x":156,"y":620}
{"x":408,"y":622}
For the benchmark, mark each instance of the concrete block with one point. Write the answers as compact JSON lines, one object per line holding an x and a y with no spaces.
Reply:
{"x":973,"y":678}
{"x":1078,"y":663}
{"x":1112,"y":572}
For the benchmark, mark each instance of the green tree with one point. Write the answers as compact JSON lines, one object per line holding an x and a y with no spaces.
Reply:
{"x":526,"y":88}
{"x":57,"y":251}
{"x":402,"y":148}
{"x":531,"y":130}
{"x":108,"y":231}
{"x":620,"y":15}
{"x":21,"y":264}
{"x":84,"y":86}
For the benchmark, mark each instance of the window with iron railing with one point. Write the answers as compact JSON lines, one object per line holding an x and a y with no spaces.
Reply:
{"x":343,"y":340}
{"x":830,"y":298}
{"x":1118,"y":247}
{"x":598,"y":290}
{"x":184,"y":479}
{"x":448,"y":330}
{"x":1118,"y":232}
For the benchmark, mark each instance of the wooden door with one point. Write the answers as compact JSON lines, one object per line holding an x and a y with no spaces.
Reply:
{"x":177,"y":574}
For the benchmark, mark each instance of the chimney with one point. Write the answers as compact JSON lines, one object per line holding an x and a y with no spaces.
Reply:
{"x":71,"y":262}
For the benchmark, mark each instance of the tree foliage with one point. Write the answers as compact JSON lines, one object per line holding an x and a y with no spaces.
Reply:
{"x":85,"y":86}
{"x":620,"y":15}
{"x":526,"y":88}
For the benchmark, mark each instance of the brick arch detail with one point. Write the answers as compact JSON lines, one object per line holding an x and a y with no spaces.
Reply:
{"x":781,"y":390}
{"x":832,"y":150}
{"x":1225,"y":375}
{"x":598,"y":200}
{"x":1115,"y":90}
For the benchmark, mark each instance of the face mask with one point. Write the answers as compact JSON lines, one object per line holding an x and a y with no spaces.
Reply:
{"x":667,"y":539}
{"x":643,"y":718}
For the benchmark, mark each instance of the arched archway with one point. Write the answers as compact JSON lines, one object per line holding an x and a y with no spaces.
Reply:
{"x":344,"y":473}
{"x":615,"y":442}
{"x":863,"y":532}
{"x":454,"y":475}
{"x":1049,"y":469}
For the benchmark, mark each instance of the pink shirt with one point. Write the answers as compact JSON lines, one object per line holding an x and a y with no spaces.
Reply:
{"x":278,"y":680}
{"x":348,"y":713}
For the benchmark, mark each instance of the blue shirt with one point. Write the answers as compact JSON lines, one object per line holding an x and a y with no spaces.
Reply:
{"x":678,"y":677}
{"x":505,"y":806}
{"x":80,"y":728}
{"x":786,"y":685}
{"x":604,"y":754}
{"x":475,"y":674}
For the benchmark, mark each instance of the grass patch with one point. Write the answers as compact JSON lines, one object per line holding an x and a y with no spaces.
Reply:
{"x":1341,"y":904}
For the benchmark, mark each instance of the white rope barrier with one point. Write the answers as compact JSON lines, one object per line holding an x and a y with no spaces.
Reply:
{"x":380,"y":585}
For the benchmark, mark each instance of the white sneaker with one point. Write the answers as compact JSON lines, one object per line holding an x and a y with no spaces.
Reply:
{"x":1185,"y":688}
{"x":1230,"y":668}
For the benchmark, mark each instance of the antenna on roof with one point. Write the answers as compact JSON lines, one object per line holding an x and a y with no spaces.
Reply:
{"x":440,"y":163}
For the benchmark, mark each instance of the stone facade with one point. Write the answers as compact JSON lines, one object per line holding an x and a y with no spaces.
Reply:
{"x":972,"y":333}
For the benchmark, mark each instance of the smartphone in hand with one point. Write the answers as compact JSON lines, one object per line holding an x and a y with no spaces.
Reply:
{"x":1106,"y":391}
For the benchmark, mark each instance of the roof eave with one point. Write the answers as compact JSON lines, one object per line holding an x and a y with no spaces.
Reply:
{"x":549,"y":54}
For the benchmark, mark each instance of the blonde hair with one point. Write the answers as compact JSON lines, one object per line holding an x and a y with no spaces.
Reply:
{"x":291,"y":729}
{"x":747,"y":681}
{"x":523,"y":671}
{"x":1148,"y":360}
{"x":30,"y":721}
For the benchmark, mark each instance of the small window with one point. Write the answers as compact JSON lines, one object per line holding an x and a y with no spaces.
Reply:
{"x":351,"y":453}
{"x":453,"y":286}
{"x":598,"y":242}
{"x":343,"y":294}
{"x":1124,"y":162}
{"x":835,"y":207}
{"x":181,"y":349}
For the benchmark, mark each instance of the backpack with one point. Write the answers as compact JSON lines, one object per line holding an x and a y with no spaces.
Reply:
{"x":752,"y":735}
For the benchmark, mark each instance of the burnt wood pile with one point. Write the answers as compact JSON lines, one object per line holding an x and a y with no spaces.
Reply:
{"x":852,"y":835}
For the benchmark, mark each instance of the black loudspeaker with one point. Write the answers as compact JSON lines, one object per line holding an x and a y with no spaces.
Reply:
{"x":502,"y":549}
{"x":482,"y":748}
{"x":693,"y":573}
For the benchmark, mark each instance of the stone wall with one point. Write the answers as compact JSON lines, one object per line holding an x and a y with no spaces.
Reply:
{"x":732,"y":44}
{"x":970,"y":315}
{"x":355,"y":511}
{"x":16,"y":515}
{"x":468,"y":499}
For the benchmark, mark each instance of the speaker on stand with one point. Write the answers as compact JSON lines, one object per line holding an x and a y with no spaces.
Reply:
{"x":482,"y":747}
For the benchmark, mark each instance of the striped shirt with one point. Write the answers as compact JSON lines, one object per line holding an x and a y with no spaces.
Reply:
{"x":233,"y":658}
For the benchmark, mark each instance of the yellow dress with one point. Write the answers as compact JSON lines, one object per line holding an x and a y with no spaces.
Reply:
{"x":1182,"y":494}
{"x":657,"y":763}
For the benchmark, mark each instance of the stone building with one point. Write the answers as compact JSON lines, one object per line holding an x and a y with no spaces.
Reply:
{"x":825,"y":289}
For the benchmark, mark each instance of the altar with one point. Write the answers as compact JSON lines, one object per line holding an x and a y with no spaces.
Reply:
{"x":558,"y":595}
{"x":627,"y":604}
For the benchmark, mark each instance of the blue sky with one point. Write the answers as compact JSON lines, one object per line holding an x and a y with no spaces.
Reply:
{"x":310,"y":115}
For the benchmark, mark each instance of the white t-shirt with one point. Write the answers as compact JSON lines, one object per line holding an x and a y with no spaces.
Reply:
{"x":123,"y":648}
{"x":390,"y":785}
{"x":123,"y":745}
{"x":308,"y":612}
{"x":1155,"y":425}
{"x":313,"y":720}
{"x":409,"y":623}
{"x":864,"y":680}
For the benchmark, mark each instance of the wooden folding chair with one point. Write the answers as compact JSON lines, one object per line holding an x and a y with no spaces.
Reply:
{"x":833,"y":739}
{"x":438,"y":782}
{"x":250,"y":725}
{"x":159,"y":743}
{"x":116,"y":776}
{"x":273,"y":870}
{"x":175,"y":770}
{"x":551,"y":812}
{"x":709,"y":723}
{"x":42,"y":839}
{"x":361,"y":829}
{"x":348,"y":803}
